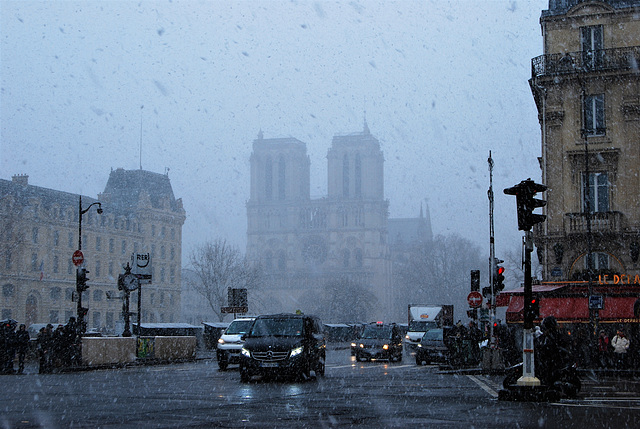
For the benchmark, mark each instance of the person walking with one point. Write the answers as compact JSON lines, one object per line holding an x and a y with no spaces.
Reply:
{"x":22,"y":346}
{"x":620,"y":344}
{"x":10,"y":347}
{"x":604,"y":346}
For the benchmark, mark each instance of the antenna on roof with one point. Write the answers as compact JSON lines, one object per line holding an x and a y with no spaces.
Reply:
{"x":141,"y":107}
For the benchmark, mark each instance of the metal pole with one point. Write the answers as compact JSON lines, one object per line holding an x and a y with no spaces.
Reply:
{"x":79,"y":312}
{"x":492,"y":259}
{"x":139,"y":308}
{"x":528,"y":369}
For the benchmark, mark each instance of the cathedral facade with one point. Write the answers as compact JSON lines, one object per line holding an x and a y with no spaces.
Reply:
{"x":303,"y":244}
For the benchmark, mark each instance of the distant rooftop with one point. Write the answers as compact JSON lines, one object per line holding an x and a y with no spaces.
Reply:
{"x":125,"y":188}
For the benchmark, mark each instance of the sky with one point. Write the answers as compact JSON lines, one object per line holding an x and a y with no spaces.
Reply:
{"x":185,"y":87}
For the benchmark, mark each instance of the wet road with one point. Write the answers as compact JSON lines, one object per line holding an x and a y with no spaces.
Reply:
{"x":352,"y":394}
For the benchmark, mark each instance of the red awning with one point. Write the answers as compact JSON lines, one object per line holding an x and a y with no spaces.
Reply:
{"x":504,"y":297}
{"x":574,"y":309}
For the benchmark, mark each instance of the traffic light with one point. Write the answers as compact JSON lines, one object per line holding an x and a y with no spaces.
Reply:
{"x":486,"y":291}
{"x":532,"y":309}
{"x":498,"y":277}
{"x":475,"y":280}
{"x":82,"y":312}
{"x":472,"y":314}
{"x":526,"y":203}
{"x":81,"y":279}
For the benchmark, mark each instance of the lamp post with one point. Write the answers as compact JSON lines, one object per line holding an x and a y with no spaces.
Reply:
{"x":81,"y":271}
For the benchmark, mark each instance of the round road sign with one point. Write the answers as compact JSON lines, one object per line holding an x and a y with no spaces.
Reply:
{"x":77,"y":258}
{"x":474,"y":299}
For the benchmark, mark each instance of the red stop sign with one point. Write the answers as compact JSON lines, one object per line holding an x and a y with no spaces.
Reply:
{"x":77,"y":258}
{"x":474,"y":299}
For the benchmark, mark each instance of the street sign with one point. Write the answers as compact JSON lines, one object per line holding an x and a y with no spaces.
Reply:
{"x":234,"y":309}
{"x":474,"y":299}
{"x":141,"y":267}
{"x":77,"y":258}
{"x":596,"y":302}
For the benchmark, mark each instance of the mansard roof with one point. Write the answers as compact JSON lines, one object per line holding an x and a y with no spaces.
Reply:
{"x":127,"y":189}
{"x":22,"y":193}
{"x":561,"y":7}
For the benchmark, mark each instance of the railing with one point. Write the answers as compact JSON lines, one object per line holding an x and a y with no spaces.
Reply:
{"x":601,"y":222}
{"x":615,"y":59}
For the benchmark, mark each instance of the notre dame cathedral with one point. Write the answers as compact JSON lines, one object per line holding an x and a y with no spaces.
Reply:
{"x":304,"y":244}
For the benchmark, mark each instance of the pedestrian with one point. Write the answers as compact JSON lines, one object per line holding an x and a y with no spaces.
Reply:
{"x":22,"y":346}
{"x":604,"y":347}
{"x":10,"y":347}
{"x":620,"y":344}
{"x":45,"y":340}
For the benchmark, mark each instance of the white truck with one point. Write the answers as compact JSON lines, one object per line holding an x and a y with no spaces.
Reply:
{"x":424,"y":317}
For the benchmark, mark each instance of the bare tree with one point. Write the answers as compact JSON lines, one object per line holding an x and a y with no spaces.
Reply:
{"x":438,"y":272}
{"x":219,"y":266}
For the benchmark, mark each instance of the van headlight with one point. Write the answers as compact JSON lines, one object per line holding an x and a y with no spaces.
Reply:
{"x":245,"y":352}
{"x":296,"y":351}
{"x":220,"y":341}
{"x":385,"y":347}
{"x":407,"y":337}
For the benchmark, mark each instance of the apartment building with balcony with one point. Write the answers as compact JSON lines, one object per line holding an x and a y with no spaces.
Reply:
{"x":586,"y":87}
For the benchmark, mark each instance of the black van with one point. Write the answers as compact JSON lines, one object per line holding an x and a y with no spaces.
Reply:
{"x":283,"y":345}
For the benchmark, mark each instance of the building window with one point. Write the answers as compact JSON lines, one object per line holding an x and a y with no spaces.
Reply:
{"x":268,"y":260}
{"x":163,"y":252}
{"x":96,"y":319}
{"x":8,"y":290}
{"x":68,"y":294}
{"x":70,"y":239}
{"x":172,"y":275}
{"x":55,"y":293}
{"x":124,"y":247}
{"x":34,"y":235}
{"x":173,"y":253}
{"x":346,"y":255}
{"x":69,"y":267}
{"x":97,"y":269}
{"x":97,"y":295}
{"x":111,"y":268}
{"x":7,"y":260}
{"x":598,"y":261}
{"x":162,"y":275}
{"x":153,"y":230}
{"x":111,"y":245}
{"x":268,"y":178}
{"x":281,"y":178}
{"x":592,"y":44}
{"x":595,"y":193}
{"x":594,"y":115}
{"x":56,"y":238}
{"x":345,"y":176}
{"x":56,"y":263}
{"x":34,"y":262}
{"x":358,"y":174}
{"x":98,"y":244}
{"x":358,"y":257}
{"x":53,"y":317}
{"x":109,"y":321}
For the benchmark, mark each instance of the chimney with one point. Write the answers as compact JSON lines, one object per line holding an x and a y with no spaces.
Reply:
{"x":20,"y":179}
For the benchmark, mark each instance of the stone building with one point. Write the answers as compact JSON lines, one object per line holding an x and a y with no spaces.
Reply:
{"x":586,"y":87}
{"x":39,"y":233}
{"x":304,"y":243}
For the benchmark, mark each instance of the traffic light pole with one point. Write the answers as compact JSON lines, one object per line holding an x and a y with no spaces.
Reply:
{"x":528,"y":361}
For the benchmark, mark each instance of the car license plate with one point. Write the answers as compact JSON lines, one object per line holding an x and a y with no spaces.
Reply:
{"x":269,"y":364}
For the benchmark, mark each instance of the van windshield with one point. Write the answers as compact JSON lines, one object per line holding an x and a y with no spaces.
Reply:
{"x":239,"y":327}
{"x":277,"y":327}
{"x":420,"y":326}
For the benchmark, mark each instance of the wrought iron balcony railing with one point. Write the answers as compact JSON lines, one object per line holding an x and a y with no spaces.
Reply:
{"x":601,"y":60}
{"x":601,"y":222}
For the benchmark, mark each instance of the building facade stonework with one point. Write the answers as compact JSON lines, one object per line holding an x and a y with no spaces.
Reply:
{"x":586,"y":87}
{"x":304,"y":243}
{"x":39,"y":233}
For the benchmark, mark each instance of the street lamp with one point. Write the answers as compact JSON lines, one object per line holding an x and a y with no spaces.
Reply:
{"x":81,"y":277}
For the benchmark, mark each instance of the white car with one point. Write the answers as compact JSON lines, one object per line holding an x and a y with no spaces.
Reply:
{"x":230,"y":343}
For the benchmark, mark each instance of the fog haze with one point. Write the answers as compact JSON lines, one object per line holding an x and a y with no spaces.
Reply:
{"x":187,"y":86}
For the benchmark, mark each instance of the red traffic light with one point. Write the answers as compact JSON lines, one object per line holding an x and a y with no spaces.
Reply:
{"x":500,"y":270}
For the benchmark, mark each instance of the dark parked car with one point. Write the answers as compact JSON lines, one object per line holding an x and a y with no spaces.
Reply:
{"x":379,"y":341}
{"x":432,"y":348}
{"x":283,"y":345}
